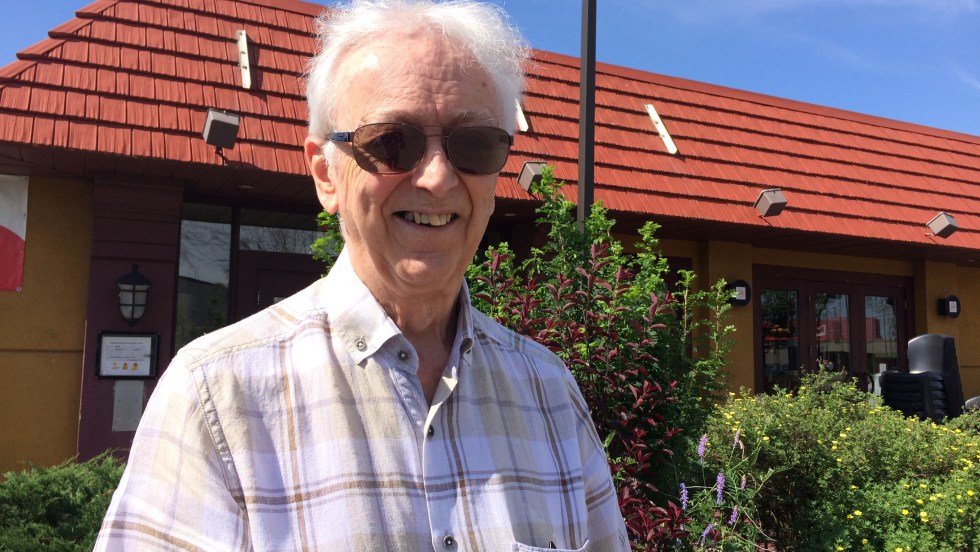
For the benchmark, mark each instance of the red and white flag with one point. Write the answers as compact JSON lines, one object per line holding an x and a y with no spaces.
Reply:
{"x":13,"y":231}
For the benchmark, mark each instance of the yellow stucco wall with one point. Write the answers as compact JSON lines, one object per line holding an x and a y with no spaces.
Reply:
{"x":935,"y":281}
{"x":42,"y":327}
{"x":968,"y":344}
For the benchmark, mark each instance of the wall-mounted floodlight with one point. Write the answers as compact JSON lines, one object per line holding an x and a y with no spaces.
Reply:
{"x":770,"y":202}
{"x":221,"y":129}
{"x":530,"y":174}
{"x":943,"y":225}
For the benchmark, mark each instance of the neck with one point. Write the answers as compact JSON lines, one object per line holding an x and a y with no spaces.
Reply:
{"x":430,"y":326}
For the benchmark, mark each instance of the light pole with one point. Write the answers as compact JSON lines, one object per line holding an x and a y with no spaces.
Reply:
{"x":586,"y":119}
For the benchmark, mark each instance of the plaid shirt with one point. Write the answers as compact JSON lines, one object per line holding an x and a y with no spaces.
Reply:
{"x":305,"y":427}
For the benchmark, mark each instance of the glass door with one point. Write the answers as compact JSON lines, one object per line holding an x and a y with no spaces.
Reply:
{"x":809,"y":321}
{"x":832,"y":335}
{"x":780,"y":338}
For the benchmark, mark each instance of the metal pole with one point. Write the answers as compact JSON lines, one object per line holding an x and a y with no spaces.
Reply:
{"x":586,"y":121}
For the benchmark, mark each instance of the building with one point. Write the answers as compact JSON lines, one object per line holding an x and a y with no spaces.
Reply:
{"x":104,"y":119}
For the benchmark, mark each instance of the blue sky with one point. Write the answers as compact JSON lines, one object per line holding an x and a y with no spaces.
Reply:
{"x":910,"y":60}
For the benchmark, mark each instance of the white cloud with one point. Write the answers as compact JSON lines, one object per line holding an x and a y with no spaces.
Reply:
{"x":968,"y":78}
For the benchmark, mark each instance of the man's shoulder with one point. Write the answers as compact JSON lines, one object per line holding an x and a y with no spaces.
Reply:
{"x":490,"y":331}
{"x":268,"y":327}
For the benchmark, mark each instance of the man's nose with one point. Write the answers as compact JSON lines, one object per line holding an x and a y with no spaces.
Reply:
{"x":435,"y":173}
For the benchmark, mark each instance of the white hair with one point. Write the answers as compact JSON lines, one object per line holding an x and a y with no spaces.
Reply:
{"x":482,"y":29}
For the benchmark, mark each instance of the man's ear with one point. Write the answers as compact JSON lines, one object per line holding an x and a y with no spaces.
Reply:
{"x":316,"y":160}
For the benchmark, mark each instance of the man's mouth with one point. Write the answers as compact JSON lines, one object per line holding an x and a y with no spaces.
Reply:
{"x":428,"y":219}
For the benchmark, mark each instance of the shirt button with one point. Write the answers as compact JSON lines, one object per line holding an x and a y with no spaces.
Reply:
{"x":429,"y":433}
{"x":360,"y":344}
{"x":402,"y":356}
{"x":448,"y":541}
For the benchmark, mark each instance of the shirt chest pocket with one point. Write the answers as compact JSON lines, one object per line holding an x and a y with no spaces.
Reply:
{"x":518,"y":547}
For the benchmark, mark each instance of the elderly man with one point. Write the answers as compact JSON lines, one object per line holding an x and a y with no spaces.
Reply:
{"x":377,"y":410}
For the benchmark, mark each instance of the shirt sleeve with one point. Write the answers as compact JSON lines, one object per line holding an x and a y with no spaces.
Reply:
{"x":607,"y":530}
{"x":175,"y":492}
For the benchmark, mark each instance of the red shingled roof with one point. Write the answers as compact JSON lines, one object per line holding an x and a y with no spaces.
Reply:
{"x":125,"y":86}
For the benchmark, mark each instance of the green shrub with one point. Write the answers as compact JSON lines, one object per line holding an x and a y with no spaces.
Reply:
{"x":830,"y":468}
{"x":58,"y":508}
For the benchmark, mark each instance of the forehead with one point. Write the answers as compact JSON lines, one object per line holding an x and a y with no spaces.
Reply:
{"x":417,"y":78}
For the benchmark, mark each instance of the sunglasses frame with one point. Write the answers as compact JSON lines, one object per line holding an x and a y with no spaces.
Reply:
{"x":351,"y":137}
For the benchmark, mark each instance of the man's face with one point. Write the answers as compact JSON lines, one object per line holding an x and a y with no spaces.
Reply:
{"x":417,"y":80}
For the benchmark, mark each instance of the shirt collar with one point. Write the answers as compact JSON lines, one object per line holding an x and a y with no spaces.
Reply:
{"x":362,"y":323}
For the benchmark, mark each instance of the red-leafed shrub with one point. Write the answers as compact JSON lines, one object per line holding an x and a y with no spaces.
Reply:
{"x":648,"y":359}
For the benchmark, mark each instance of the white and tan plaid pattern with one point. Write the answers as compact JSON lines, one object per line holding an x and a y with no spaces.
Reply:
{"x":305,"y":427}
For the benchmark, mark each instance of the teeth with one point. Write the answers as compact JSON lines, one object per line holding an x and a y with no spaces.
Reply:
{"x":427,"y":218}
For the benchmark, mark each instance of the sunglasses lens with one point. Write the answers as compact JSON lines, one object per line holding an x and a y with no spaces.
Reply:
{"x":387,"y":148}
{"x":478,"y":150}
{"x":391,"y":148}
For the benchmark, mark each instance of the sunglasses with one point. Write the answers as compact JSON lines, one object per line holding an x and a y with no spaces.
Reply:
{"x":392,"y":148}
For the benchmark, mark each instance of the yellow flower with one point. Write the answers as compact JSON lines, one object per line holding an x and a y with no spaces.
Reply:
{"x":918,"y":501}
{"x":840,"y":460}
{"x":905,"y":512}
{"x":857,"y":512}
{"x":840,"y":548}
{"x":970,"y":493}
{"x":864,"y":541}
{"x":922,"y":485}
{"x":765,"y":437}
{"x":899,"y":549}
{"x":960,"y":510}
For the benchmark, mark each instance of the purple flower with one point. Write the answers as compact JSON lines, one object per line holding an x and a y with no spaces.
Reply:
{"x":683,"y":497}
{"x":738,"y":433}
{"x":702,"y":446}
{"x":707,"y":530}
{"x":720,"y":483}
{"x":731,"y":520}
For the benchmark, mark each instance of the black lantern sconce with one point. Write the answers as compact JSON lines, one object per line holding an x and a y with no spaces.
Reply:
{"x":950,"y":306}
{"x":743,"y":293}
{"x":133,"y":289}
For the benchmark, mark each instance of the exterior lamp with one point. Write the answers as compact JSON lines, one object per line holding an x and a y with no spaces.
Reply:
{"x":943,"y":225}
{"x":133,"y":288}
{"x":530,"y":174}
{"x":950,"y":306}
{"x":770,"y":202}
{"x":742,"y":293}
{"x":221,"y":129}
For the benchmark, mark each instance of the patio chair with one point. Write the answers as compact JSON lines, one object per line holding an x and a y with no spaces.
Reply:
{"x":932,"y":388}
{"x":937,"y":353}
{"x":922,"y":394}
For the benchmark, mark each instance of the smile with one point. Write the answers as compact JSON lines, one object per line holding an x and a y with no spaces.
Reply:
{"x":427,"y":218}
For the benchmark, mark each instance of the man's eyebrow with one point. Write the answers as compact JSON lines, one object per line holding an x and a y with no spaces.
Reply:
{"x":461,"y":117}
